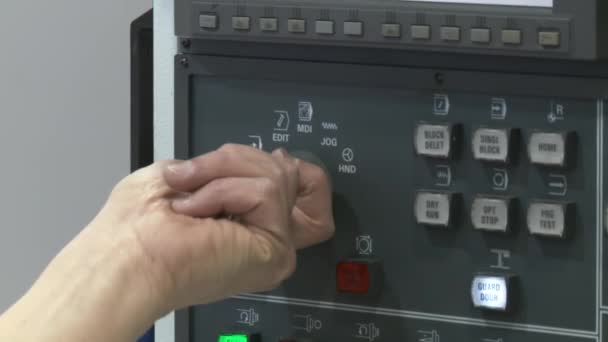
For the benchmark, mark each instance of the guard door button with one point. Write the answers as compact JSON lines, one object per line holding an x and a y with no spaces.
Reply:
{"x":492,"y":292}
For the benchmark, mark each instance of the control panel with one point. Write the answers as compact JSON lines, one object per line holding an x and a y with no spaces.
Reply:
{"x":461,"y":215}
{"x":465,"y":144}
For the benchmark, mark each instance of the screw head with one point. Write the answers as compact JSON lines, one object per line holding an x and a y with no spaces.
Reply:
{"x":184,"y":62}
{"x":186,"y":43}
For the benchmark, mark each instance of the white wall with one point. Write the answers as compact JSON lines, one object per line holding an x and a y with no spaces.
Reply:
{"x":64,"y":124}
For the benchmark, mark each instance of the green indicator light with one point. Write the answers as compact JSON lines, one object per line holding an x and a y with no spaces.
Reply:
{"x":234,"y":338}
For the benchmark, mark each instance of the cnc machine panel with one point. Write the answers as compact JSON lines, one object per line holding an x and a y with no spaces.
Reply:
{"x":468,"y":180}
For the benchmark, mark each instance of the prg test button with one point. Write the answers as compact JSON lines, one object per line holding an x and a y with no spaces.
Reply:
{"x":433,"y":140}
{"x":547,"y":148}
{"x":547,"y":219}
{"x":491,"y":292}
{"x":433,"y":209}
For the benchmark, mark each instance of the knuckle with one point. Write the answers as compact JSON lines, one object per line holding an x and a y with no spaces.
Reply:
{"x":269,"y":188}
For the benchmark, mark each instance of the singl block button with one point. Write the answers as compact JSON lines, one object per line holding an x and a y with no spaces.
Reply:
{"x":491,"y":213}
{"x":548,"y":148}
{"x":434,"y":140}
{"x":433,"y":208}
{"x":391,"y":30}
{"x":548,"y":219}
{"x":296,"y":25}
{"x":491,"y":144}
{"x":353,"y":28}
{"x":241,"y":23}
{"x":492,"y":292}
{"x":324,"y":27}
{"x":208,"y":21}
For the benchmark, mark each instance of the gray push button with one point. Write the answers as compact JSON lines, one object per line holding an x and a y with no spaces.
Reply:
{"x":450,"y":33}
{"x":481,"y":35}
{"x":491,"y":144}
{"x":421,"y":32}
{"x":433,"y":140}
{"x":353,"y":28}
{"x":296,"y":25}
{"x":269,"y":24}
{"x":547,"y":219}
{"x":324,"y":27}
{"x":491,"y":214}
{"x":433,"y":209}
{"x":547,"y":148}
{"x":549,"y":38}
{"x":241,"y":23}
{"x":208,"y":21}
{"x":512,"y":37}
{"x":391,"y":30}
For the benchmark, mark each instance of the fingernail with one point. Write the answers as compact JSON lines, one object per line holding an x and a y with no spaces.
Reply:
{"x":181,"y":169}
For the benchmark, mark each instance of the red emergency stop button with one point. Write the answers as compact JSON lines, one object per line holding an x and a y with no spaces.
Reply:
{"x":358,"y":276}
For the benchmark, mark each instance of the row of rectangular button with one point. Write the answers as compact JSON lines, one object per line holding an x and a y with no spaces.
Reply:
{"x":488,"y":144}
{"x":492,"y":213}
{"x":481,"y":35}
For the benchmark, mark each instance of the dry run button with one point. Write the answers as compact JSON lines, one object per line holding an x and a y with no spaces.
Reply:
{"x":434,"y":140}
{"x":491,"y":144}
{"x":433,"y":209}
{"x":492,"y":292}
{"x":548,"y":219}
{"x":491,"y":214}
{"x":548,"y":149}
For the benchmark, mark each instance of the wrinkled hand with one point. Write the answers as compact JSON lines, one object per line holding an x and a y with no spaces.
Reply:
{"x":226,"y":222}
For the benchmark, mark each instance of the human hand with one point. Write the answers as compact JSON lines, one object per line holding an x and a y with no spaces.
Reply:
{"x":164,"y":241}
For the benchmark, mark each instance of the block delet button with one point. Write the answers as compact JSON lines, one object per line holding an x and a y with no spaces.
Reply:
{"x":208,"y":21}
{"x":433,"y":208}
{"x":361,"y":276}
{"x":434,"y":140}
{"x":492,"y":292}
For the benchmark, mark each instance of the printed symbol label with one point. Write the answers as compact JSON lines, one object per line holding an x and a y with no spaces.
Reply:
{"x":498,"y":109}
{"x":500,"y":180}
{"x":348,"y":155}
{"x":367,"y":331}
{"x":557,"y":112}
{"x":441,"y":104}
{"x":492,"y":340}
{"x":306,"y":323}
{"x":248,"y":317}
{"x":305,"y":111}
{"x":282,"y":122}
{"x":428,"y":336}
{"x":256,"y":142}
{"x":558,"y":185}
{"x":364,"y":245}
{"x":329,"y":126}
{"x":502,"y":255}
{"x":329,"y":142}
{"x":444,"y":175}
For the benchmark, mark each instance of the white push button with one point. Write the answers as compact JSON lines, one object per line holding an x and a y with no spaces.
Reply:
{"x":547,"y":219}
{"x":208,"y":21}
{"x":491,"y":214}
{"x":433,"y":209}
{"x":547,"y":148}
{"x":490,"y":292}
{"x":433,"y":140}
{"x":491,"y":144}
